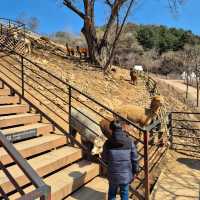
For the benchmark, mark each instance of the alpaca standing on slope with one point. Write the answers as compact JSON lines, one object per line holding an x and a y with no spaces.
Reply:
{"x":71,"y":51}
{"x":81,"y":51}
{"x":139,"y":115}
{"x":133,"y":76}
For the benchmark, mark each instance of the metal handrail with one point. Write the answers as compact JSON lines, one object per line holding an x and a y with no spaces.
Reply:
{"x":77,"y":90}
{"x":26,"y":168}
{"x":10,"y":20}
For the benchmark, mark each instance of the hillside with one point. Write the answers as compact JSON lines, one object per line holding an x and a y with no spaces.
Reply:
{"x":111,"y":91}
{"x":155,"y":47}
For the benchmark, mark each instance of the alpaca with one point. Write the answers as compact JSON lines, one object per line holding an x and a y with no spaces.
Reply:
{"x":105,"y":128}
{"x":81,"y":51}
{"x":88,"y":129}
{"x":133,"y":76}
{"x":71,"y":51}
{"x":46,"y":39}
{"x":139,"y":115}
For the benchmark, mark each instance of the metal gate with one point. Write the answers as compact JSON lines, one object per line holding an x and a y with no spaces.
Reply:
{"x":185,"y":132}
{"x":7,"y":30}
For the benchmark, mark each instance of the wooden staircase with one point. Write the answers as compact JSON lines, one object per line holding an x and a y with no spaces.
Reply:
{"x":60,"y":165}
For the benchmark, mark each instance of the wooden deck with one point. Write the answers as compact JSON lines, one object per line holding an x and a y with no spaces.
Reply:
{"x":180,"y":179}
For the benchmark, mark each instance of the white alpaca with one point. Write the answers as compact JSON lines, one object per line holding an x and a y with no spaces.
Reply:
{"x":89,"y":130}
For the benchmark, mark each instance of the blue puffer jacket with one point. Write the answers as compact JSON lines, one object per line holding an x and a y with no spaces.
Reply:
{"x":121,"y":156}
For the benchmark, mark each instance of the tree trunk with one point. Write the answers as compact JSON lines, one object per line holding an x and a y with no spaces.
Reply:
{"x":197,"y":85}
{"x":187,"y":84}
{"x":98,"y":53}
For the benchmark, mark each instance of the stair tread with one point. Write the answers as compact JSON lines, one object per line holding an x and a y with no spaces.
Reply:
{"x":16,"y":130}
{"x":9,"y":99}
{"x":37,"y":145}
{"x":43,"y":165}
{"x":18,"y":116}
{"x":68,"y":180}
{"x":4,"y":91}
{"x":96,"y":190}
{"x":13,"y":108}
{"x":2,"y":97}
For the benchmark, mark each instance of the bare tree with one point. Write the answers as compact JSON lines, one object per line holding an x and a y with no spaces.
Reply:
{"x":187,"y":58}
{"x":196,"y":64}
{"x":33,"y":23}
{"x":101,"y":50}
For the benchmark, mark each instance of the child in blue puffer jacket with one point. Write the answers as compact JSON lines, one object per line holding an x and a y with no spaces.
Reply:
{"x":121,"y":156}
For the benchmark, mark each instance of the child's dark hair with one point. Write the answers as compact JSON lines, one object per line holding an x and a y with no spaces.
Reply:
{"x":115,"y":124}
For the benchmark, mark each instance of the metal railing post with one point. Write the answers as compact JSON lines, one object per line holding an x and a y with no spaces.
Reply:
{"x":22,"y":74}
{"x":24,"y":27}
{"x":1,"y":28}
{"x":47,"y":195}
{"x":69,"y":108}
{"x":171,"y":130}
{"x":146,"y":165}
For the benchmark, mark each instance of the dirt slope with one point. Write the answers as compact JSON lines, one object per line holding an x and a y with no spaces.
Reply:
{"x":111,"y":91}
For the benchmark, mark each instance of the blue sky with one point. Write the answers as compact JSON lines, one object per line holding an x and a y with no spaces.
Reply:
{"x":55,"y":17}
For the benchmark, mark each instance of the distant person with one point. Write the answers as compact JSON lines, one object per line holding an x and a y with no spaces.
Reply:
{"x":120,"y":154}
{"x":133,"y":76}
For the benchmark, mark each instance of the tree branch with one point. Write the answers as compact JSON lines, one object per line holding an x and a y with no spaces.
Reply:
{"x":92,"y":10}
{"x":69,"y":4}
{"x":115,"y":9}
{"x":108,"y":2}
{"x":118,"y":34}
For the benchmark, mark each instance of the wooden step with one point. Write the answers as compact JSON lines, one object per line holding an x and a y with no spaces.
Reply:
{"x":36,"y":146}
{"x":96,"y":189}
{"x":27,"y":131}
{"x":12,"y":120}
{"x":9,"y":99}
{"x":68,"y":180}
{"x":43,"y":165}
{"x":12,"y":109}
{"x":4,"y":92}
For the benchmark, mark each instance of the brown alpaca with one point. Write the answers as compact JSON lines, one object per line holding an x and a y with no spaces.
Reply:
{"x":82,"y":51}
{"x":107,"y":132}
{"x":105,"y":127}
{"x":71,"y":51}
{"x":133,"y":76}
{"x":139,"y":115}
{"x":46,"y":39}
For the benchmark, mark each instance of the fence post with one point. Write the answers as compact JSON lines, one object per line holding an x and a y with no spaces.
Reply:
{"x":171,"y":130}
{"x":22,"y":68}
{"x":69,"y":108}
{"x":24,"y":27}
{"x":146,"y":165}
{"x":1,"y":28}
